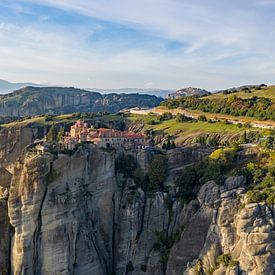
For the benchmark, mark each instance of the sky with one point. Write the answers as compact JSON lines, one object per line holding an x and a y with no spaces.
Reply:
{"x":212,"y":44}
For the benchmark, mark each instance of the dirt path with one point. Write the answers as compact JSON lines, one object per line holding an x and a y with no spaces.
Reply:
{"x":195,"y":114}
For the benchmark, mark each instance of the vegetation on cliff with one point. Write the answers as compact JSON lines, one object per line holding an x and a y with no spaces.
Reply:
{"x":259,"y":107}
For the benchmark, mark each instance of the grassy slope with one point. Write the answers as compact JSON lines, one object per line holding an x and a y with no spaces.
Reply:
{"x":197,"y":113}
{"x":68,"y":118}
{"x":172,"y":126}
{"x":40,"y":120}
{"x":185,"y":132}
{"x":268,"y":92}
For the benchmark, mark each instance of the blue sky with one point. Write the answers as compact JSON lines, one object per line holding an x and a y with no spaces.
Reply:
{"x":147,"y":43}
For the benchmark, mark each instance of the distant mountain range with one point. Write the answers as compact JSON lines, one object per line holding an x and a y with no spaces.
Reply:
{"x":8,"y":87}
{"x":30,"y":101}
{"x":157,"y":92}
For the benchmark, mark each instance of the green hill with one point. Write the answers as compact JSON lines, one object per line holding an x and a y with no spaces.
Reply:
{"x":257,"y":103}
{"x":266,"y":92}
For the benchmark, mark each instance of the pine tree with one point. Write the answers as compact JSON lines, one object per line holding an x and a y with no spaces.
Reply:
{"x":52,"y":134}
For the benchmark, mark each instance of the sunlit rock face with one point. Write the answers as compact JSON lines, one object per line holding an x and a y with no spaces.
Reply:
{"x":32,"y":101}
{"x":78,"y":215}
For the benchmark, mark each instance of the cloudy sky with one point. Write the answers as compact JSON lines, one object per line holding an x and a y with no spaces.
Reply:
{"x":144,"y":43}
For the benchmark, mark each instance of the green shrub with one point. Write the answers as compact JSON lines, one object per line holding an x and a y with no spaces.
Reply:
{"x":165,"y":116}
{"x":126,"y":164}
{"x":233,"y":263}
{"x":202,"y":118}
{"x":187,"y":182}
{"x":224,"y":259}
{"x":52,"y":134}
{"x":164,"y":243}
{"x":157,"y":171}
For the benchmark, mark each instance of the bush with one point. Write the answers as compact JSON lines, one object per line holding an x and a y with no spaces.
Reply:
{"x":182,"y":118}
{"x":49,"y":118}
{"x":165,"y":116}
{"x":224,"y":155}
{"x":126,"y":164}
{"x":202,"y":118}
{"x":157,"y":171}
{"x":164,"y":243}
{"x":152,"y":122}
{"x":224,"y":259}
{"x":52,"y":134}
{"x":213,"y":141}
{"x":141,"y":179}
{"x":186,"y":183}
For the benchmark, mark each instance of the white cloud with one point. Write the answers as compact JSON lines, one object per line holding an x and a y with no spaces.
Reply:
{"x":215,"y":31}
{"x":198,"y":22}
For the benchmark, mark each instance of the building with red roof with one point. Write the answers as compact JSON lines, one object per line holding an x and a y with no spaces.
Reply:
{"x":103,"y":137}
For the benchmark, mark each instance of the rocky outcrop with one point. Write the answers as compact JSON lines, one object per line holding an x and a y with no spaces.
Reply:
{"x":240,"y":237}
{"x":190,"y":91}
{"x":78,"y":215}
{"x":32,"y":101}
{"x":14,"y":139}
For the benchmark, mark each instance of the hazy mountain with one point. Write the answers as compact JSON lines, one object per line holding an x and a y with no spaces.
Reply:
{"x":157,"y":92}
{"x":31,"y":101}
{"x":7,"y":87}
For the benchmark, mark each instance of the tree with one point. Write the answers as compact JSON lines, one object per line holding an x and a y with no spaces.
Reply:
{"x":52,"y":134}
{"x":158,"y":170}
{"x":152,"y":122}
{"x":243,"y":138}
{"x":60,"y":134}
{"x":269,"y":143}
{"x":165,"y":116}
{"x":48,"y":117}
{"x":187,"y":182}
{"x":223,"y":156}
{"x":202,"y":118}
{"x":126,"y":164}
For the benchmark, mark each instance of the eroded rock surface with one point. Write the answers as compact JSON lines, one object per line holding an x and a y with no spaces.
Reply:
{"x":77,"y":215}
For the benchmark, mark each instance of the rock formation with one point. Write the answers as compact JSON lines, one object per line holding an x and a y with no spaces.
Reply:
{"x":78,"y":215}
{"x":32,"y":101}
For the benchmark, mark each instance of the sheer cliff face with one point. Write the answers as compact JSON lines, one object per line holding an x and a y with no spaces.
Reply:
{"x":75,"y":215}
{"x":31,"y":101}
{"x":13,"y":140}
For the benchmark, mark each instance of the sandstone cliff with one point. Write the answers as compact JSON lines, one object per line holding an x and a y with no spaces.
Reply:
{"x":14,"y":139}
{"x":78,"y":215}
